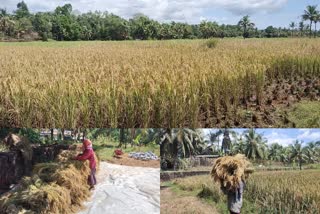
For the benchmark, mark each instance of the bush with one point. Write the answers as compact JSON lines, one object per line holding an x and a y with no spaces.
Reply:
{"x":211,"y":43}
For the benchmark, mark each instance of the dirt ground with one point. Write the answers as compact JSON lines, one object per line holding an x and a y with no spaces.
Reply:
{"x":173,"y":203}
{"x":127,"y":161}
{"x":279,"y":96}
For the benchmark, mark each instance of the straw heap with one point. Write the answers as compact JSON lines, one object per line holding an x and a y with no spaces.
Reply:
{"x":229,"y":170}
{"x":57,"y":187}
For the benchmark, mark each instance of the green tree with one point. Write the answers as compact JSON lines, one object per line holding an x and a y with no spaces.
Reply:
{"x":296,"y":153}
{"x":310,"y":14}
{"x":141,"y":27}
{"x":226,"y":141}
{"x":7,"y":26}
{"x":181,"y":30}
{"x":65,"y":25}
{"x":301,"y":28}
{"x":271,"y":31}
{"x":316,"y":20}
{"x":292,"y":26}
{"x":208,"y":29}
{"x":255,"y":144}
{"x":23,"y":26}
{"x":275,"y":152}
{"x":310,"y":152}
{"x":239,"y":146}
{"x":115,"y":28}
{"x":22,"y":10}
{"x":42,"y":23}
{"x":165,"y":31}
{"x":245,"y":24}
{"x":177,"y":144}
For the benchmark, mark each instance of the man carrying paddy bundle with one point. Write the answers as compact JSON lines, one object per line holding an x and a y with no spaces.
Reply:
{"x":234,"y":198}
{"x":88,"y":154}
{"x":231,"y":172}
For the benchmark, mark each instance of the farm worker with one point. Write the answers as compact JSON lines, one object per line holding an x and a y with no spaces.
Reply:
{"x":88,"y":154}
{"x":234,"y":198}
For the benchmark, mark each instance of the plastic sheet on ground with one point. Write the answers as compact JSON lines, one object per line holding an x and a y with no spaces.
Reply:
{"x":125,"y":189}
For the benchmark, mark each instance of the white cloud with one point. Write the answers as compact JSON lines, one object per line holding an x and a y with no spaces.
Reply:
{"x":309,"y":135}
{"x":162,"y":10}
{"x":282,"y":139}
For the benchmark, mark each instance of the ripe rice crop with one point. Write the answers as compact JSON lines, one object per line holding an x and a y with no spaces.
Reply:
{"x":285,"y":191}
{"x":148,"y":84}
{"x":265,"y":192}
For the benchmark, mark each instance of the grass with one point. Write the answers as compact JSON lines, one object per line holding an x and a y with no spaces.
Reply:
{"x":145,"y":83}
{"x":266,"y":192}
{"x":176,"y":200}
{"x":203,"y":188}
{"x":105,"y":148}
{"x":305,"y":114}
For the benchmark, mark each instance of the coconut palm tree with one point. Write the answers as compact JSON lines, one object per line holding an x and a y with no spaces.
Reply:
{"x":296,"y":152}
{"x":255,"y":145}
{"x":316,"y":20}
{"x":226,"y":142}
{"x":310,"y":14}
{"x":292,"y":26}
{"x":239,"y":146}
{"x":301,"y":27}
{"x":310,"y":152}
{"x":246,"y":25}
{"x":177,"y":144}
{"x":275,"y":152}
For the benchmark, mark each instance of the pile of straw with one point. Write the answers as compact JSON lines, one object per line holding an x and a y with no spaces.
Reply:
{"x":230,"y":170}
{"x":57,"y":187}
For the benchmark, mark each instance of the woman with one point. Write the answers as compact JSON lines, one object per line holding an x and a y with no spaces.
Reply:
{"x":234,"y":198}
{"x":88,"y":154}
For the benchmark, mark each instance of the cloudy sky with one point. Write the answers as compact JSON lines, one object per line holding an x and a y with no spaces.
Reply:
{"x":263,"y":12}
{"x":284,"y":136}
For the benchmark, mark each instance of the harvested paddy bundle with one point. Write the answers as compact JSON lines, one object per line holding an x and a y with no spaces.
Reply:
{"x":230,"y":170}
{"x":58,"y":187}
{"x":74,"y":178}
{"x":36,"y":197}
{"x":67,"y":155}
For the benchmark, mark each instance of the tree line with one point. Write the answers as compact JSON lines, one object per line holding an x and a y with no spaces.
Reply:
{"x":178,"y":144}
{"x":63,"y":24}
{"x":125,"y":137}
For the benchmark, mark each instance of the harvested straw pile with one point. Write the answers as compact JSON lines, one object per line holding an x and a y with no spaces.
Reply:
{"x":230,"y":170}
{"x":58,"y":187}
{"x":73,"y":151}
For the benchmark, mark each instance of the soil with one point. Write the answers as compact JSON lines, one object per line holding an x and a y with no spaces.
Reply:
{"x":171,"y":202}
{"x":127,"y":161}
{"x":278,"y":97}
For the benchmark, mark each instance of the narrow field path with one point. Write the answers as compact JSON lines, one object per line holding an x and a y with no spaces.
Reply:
{"x":172,"y":202}
{"x":125,"y":189}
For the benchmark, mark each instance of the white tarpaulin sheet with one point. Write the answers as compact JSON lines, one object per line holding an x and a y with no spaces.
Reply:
{"x":125,"y":189}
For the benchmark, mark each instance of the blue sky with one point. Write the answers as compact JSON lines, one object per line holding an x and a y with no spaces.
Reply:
{"x":283,"y":136}
{"x":278,"y":13}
